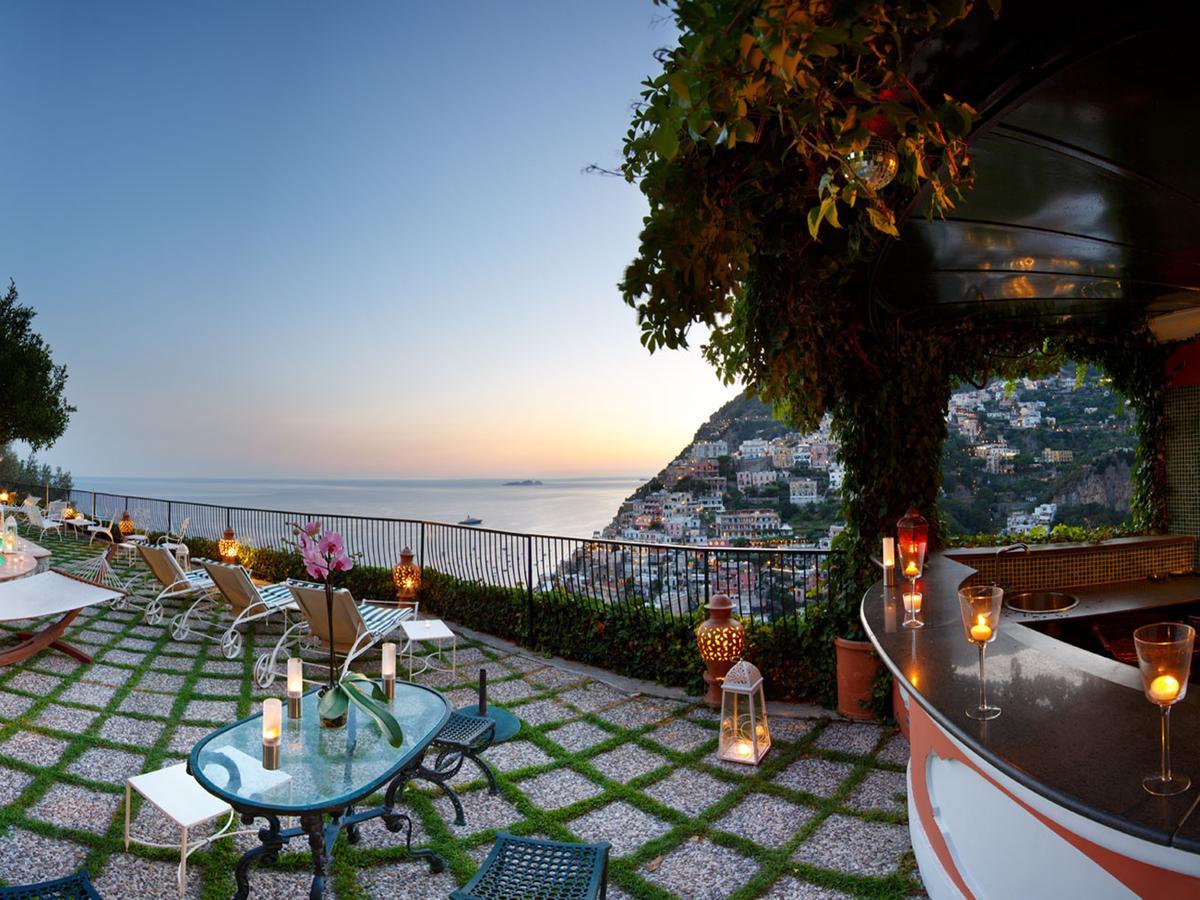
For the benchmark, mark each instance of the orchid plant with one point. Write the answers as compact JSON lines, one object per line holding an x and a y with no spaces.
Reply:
{"x":324,"y":554}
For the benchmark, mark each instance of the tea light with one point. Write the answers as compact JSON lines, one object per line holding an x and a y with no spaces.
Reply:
{"x":743,"y":749}
{"x":912,"y":603}
{"x":272,"y":724}
{"x":981,"y":631}
{"x":889,"y":561}
{"x":295,"y":686}
{"x":911,"y":570}
{"x":388,"y":670}
{"x":1164,"y":688}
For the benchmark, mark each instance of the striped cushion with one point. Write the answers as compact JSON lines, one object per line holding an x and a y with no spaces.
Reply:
{"x":275,"y":596}
{"x":198,"y":578}
{"x":380,"y":621}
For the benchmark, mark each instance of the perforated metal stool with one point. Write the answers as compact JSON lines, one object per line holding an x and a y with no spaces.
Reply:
{"x":462,"y":737}
{"x":73,"y":887}
{"x":520,"y":867}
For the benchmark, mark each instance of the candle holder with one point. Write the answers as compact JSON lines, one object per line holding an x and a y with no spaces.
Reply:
{"x":295,"y":687}
{"x":912,"y":610}
{"x":388,"y":670}
{"x":272,"y":721}
{"x":980,"y":607}
{"x":1164,"y":652}
{"x":912,"y":538}
{"x":889,"y":562}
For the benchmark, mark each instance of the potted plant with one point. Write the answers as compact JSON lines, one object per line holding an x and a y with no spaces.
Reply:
{"x":323,"y":554}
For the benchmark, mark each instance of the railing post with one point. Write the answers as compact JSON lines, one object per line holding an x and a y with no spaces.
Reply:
{"x":421,"y":550}
{"x":705,"y":577}
{"x":168,"y":517}
{"x":529,"y":589}
{"x":93,"y":506}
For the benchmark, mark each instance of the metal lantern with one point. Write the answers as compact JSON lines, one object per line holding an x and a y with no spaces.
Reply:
{"x":745,"y":733}
{"x":720,"y":638}
{"x":126,"y":526}
{"x":228,"y":547}
{"x":407,"y":577}
{"x":876,"y":164}
{"x":912,"y":537}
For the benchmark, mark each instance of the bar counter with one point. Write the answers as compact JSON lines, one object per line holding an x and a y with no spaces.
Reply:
{"x":1046,"y":799}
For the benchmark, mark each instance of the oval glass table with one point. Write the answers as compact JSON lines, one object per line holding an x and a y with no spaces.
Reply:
{"x":323,"y":774}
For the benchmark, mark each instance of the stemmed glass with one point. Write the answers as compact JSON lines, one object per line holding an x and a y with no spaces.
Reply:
{"x":912,"y":564}
{"x":1164,"y":652}
{"x":912,"y":609}
{"x":980,"y":607}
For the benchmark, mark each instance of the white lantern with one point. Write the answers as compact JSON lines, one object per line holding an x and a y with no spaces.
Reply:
{"x":745,"y":734}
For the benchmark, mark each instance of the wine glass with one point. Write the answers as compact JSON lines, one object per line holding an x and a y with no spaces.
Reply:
{"x":912,"y":562}
{"x":1164,"y":652}
{"x":912,"y":609}
{"x":980,"y":607}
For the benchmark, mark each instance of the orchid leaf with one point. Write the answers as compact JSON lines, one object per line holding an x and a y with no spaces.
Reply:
{"x":385,"y":720}
{"x":333,"y":702}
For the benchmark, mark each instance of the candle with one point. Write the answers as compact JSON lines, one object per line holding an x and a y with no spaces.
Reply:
{"x":889,"y":552}
{"x":981,"y":631}
{"x":1164,"y":688}
{"x":911,"y":570}
{"x":388,"y":670}
{"x":272,"y":720}
{"x":742,"y":749}
{"x":295,"y":686}
{"x":912,"y":603}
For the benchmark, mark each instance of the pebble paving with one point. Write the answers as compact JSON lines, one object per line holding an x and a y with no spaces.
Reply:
{"x":823,"y":816}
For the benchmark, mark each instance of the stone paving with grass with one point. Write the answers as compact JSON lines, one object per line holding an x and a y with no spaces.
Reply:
{"x":823,"y":816}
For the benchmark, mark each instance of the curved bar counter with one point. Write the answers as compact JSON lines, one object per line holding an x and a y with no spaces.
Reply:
{"x":1047,"y":799}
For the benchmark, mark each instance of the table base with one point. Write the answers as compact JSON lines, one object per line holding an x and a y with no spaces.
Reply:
{"x":34,"y":643}
{"x":322,"y":834}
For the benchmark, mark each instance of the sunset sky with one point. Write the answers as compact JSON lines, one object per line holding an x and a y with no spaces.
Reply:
{"x":338,"y":240}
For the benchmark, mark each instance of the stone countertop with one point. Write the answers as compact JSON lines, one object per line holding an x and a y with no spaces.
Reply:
{"x":1121,"y":596}
{"x":1075,"y":727}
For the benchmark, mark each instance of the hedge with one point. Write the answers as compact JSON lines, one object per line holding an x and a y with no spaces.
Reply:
{"x":795,"y":655}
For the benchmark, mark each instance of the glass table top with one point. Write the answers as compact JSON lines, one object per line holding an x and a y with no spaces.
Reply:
{"x":319,"y":767}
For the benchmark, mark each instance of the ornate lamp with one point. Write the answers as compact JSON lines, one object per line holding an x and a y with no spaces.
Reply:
{"x":720,"y":638}
{"x":228,"y":547}
{"x":912,"y":536}
{"x":407,"y":578}
{"x":745,"y":734}
{"x":126,"y":525}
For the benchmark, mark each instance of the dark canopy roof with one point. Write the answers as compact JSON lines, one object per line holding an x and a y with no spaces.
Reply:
{"x":1086,"y":206}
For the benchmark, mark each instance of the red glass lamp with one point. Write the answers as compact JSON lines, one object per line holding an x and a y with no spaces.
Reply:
{"x":912,"y":539}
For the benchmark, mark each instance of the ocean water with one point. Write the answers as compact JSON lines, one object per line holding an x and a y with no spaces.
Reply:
{"x":567,"y":507}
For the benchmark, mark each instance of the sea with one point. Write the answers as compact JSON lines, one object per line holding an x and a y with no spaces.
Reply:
{"x":564,"y":507}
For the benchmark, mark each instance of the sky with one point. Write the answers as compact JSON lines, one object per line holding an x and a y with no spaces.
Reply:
{"x":315,"y":240}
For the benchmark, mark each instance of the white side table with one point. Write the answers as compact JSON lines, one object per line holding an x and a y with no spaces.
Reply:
{"x":181,"y":799}
{"x":434,"y":631}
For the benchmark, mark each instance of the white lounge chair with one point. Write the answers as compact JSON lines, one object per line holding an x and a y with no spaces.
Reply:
{"x":39,"y":519}
{"x":95,"y":531}
{"x":99,"y":571}
{"x":356,"y":628}
{"x":247,"y":601}
{"x":176,"y":583}
{"x":174,"y":542}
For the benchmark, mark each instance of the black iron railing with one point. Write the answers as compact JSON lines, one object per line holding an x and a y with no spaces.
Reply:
{"x":670,"y":580}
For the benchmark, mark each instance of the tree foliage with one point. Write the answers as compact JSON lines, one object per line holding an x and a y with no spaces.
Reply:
{"x":35,"y":409}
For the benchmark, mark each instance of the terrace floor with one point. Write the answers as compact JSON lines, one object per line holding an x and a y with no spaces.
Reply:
{"x":822,"y":817}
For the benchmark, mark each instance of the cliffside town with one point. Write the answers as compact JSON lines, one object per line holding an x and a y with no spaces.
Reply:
{"x":1018,"y":456}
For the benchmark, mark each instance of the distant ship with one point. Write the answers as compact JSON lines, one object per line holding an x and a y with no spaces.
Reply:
{"x":528,"y":482}
{"x":471,"y":520}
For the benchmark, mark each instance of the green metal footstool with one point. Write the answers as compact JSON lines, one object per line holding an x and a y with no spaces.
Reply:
{"x":73,"y":887}
{"x":520,"y":867}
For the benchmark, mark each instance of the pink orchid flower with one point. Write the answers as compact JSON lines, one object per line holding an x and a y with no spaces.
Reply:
{"x":331,"y":545}
{"x":342,"y":564}
{"x":312,"y":528}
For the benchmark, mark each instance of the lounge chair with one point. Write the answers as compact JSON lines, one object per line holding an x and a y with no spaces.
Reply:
{"x":108,"y":531}
{"x":39,"y":519}
{"x":99,"y":571}
{"x":248,"y":602}
{"x":47,"y":594}
{"x":174,"y":542}
{"x":176,"y":583}
{"x":356,"y":628}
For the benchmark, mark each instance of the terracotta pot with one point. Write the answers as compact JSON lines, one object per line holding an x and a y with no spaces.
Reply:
{"x":856,"y":668}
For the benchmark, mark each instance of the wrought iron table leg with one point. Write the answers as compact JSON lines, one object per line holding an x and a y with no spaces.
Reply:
{"x":320,"y":840}
{"x":394,"y":821}
{"x":272,"y":842}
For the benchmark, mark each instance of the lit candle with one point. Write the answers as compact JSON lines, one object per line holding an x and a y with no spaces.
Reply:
{"x":981,"y":631}
{"x":388,"y":669}
{"x":295,"y":686}
{"x":272,"y":724}
{"x":912,"y":603}
{"x":889,"y":552}
{"x":742,"y":749}
{"x":1164,"y":688}
{"x":911,"y":570}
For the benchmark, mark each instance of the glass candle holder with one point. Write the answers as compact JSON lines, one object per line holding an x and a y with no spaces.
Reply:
{"x":387,"y":670}
{"x":272,"y":722}
{"x":980,"y":608}
{"x":912,"y":610}
{"x":295,"y":686}
{"x":1164,"y":652}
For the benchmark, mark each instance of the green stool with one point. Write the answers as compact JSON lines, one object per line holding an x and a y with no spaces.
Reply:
{"x":520,"y":867}
{"x":73,"y":887}
{"x":507,"y":725}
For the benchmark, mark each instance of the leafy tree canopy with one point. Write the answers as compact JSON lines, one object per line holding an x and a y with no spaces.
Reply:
{"x":34,"y":409}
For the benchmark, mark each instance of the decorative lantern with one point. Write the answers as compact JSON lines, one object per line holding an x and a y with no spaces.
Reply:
{"x":10,"y":534}
{"x":228,"y":547}
{"x":745,"y":734}
{"x":126,"y":526}
{"x":912,"y":535}
{"x":4,"y":497}
{"x":876,"y":164}
{"x":68,"y":512}
{"x":407,"y":578}
{"x":720,"y":638}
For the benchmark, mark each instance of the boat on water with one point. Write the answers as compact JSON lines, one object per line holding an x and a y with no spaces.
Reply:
{"x":527,"y":482}
{"x":471,"y":520}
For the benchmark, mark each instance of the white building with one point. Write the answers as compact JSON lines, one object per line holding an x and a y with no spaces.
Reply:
{"x":755,"y":448}
{"x":709,"y":449}
{"x":748,"y":523}
{"x":837,"y":474}
{"x":756,"y":479}
{"x":803,"y":491}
